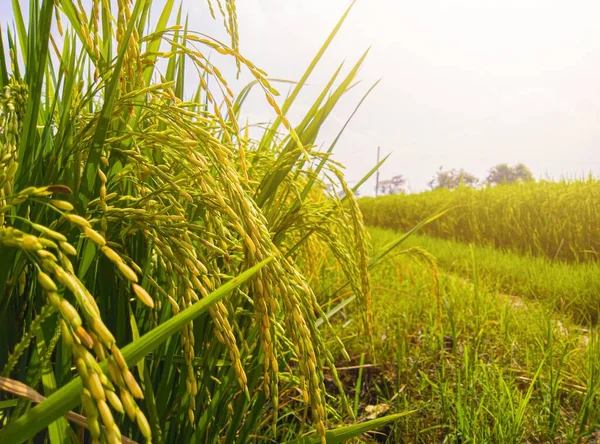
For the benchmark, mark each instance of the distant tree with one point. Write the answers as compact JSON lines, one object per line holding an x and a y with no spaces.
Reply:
{"x":503,"y":173}
{"x":523,"y":173}
{"x":452,"y":179}
{"x":393,"y":186}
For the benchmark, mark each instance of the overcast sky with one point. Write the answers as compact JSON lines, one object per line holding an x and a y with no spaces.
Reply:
{"x":466,"y":83}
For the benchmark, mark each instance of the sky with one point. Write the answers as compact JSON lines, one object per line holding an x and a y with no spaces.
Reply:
{"x":465,"y":83}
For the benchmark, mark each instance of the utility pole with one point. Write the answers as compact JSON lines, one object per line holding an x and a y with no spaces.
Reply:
{"x":377,"y":174}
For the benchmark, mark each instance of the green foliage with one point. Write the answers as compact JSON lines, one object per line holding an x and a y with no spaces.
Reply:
{"x":128,"y":201}
{"x":505,"y":174}
{"x":492,"y":368}
{"x":571,"y":289}
{"x":344,"y":434}
{"x":452,"y":179}
{"x":558,"y":220}
{"x":68,"y":396}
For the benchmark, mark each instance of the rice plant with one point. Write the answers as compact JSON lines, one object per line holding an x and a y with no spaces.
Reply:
{"x":152,"y":255}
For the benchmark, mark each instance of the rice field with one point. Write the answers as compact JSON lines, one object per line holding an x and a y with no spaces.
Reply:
{"x":551,"y":219}
{"x":479,"y":354}
{"x":481,"y":325}
{"x":568,"y":288}
{"x":168,"y":275}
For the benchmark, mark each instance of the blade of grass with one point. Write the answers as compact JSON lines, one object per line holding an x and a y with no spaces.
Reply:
{"x":3,"y":65}
{"x":354,"y":189}
{"x":358,"y":385}
{"x":8,"y":403}
{"x":272,"y":181}
{"x":153,"y":45}
{"x":309,"y":185}
{"x":146,"y":381}
{"x":335,"y":310}
{"x":58,"y":431}
{"x":392,"y":245}
{"x":306,"y":190}
{"x":21,"y":28}
{"x":268,"y":137}
{"x":346,"y":433}
{"x":36,"y":66}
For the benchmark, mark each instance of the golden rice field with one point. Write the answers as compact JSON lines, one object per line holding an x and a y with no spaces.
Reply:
{"x":552,"y":219}
{"x":169,"y":276}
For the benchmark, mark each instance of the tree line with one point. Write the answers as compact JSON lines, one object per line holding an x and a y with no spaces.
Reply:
{"x":453,"y":178}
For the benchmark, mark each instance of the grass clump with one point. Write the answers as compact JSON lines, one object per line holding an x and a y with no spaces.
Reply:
{"x":568,"y":288}
{"x":491,"y":368}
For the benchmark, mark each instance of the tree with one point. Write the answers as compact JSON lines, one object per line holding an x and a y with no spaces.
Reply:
{"x":452,"y":179}
{"x":393,"y":186}
{"x":503,"y":173}
{"x":523,"y":173}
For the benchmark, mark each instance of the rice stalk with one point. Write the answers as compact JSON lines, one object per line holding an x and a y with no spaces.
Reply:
{"x":145,"y":202}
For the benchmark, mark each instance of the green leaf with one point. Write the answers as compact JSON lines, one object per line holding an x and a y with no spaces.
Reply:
{"x":335,"y":310}
{"x":8,"y":403}
{"x":348,"y":432}
{"x":68,"y":397}
{"x":268,"y":137}
{"x":388,"y":248}
{"x":180,"y":83}
{"x":243,"y":94}
{"x":35,"y":70}
{"x":279,"y":236}
{"x":58,"y":431}
{"x":308,"y":136}
{"x":3,"y":66}
{"x":20,"y":24}
{"x":354,"y":189}
{"x":369,"y":174}
{"x":146,"y":383}
{"x":171,"y":66}
{"x":154,"y":44}
{"x":90,"y":172}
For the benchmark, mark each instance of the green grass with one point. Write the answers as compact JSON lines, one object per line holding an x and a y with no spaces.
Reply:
{"x":571,"y":289}
{"x":479,"y":366}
